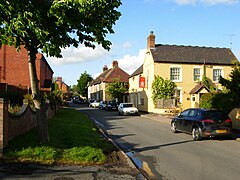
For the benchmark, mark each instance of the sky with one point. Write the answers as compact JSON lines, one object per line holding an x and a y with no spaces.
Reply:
{"x":209,"y":23}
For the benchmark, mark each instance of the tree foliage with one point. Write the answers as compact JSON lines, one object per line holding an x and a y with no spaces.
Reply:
{"x":162,"y":89}
{"x":82,"y":84}
{"x":229,"y":99}
{"x":116,"y":89}
{"x":53,"y":24}
{"x":49,"y":25}
{"x":233,"y":84}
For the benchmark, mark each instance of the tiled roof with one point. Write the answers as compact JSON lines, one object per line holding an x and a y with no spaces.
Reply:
{"x":192,"y":54}
{"x":198,"y":88}
{"x":110,"y":75}
{"x":137,"y":72}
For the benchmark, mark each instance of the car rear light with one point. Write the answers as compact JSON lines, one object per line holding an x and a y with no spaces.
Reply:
{"x":228,"y":121}
{"x":207,"y":121}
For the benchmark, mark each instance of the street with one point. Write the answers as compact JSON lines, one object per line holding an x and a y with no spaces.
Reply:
{"x":170,"y":156}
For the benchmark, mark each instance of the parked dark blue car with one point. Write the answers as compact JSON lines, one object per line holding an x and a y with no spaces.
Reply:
{"x":202,"y":123}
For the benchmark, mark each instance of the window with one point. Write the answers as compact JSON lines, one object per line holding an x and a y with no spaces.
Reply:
{"x":184,"y":113}
{"x":175,"y":74}
{"x":216,"y":74}
{"x":196,"y":74}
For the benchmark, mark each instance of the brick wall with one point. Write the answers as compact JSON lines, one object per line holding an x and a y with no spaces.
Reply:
{"x":14,"y":67}
{"x":12,"y":126}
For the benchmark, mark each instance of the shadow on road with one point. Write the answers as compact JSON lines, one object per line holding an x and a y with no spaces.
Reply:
{"x":160,"y":146}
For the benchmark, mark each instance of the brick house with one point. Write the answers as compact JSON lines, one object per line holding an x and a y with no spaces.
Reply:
{"x":14,"y":69}
{"x":184,"y":65}
{"x":97,"y":87}
{"x":63,"y":87}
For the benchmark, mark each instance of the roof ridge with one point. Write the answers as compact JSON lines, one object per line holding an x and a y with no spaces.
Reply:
{"x":193,"y":46}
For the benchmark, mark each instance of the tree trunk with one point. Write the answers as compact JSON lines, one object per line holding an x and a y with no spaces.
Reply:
{"x":42,"y":123}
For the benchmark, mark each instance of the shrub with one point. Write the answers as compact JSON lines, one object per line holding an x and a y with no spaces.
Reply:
{"x":222,"y":101}
{"x":206,"y":101}
{"x":162,"y":89}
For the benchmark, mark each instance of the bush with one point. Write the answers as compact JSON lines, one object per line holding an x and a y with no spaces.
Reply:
{"x":222,"y":101}
{"x":206,"y":101}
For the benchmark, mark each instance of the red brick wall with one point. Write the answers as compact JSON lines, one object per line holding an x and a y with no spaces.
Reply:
{"x":43,"y":69}
{"x":14,"y":67}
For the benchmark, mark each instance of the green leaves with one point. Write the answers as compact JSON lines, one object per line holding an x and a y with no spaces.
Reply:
{"x":162,"y":89}
{"x":47,"y":24}
{"x":82,"y":84}
{"x":116,"y":89}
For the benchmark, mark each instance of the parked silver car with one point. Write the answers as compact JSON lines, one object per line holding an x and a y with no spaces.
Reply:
{"x":127,"y":109}
{"x":94,"y":104}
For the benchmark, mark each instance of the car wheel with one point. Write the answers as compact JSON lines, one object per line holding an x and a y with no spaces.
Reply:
{"x":196,"y":134}
{"x":173,"y":127}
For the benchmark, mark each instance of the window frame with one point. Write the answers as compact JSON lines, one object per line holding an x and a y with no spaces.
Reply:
{"x":217,"y":78}
{"x":180,"y":74}
{"x":194,"y":75}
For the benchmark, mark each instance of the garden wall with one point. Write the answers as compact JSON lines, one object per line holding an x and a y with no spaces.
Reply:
{"x":13,"y":125}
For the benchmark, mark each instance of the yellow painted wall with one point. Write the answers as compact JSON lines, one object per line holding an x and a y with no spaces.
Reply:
{"x":151,"y":68}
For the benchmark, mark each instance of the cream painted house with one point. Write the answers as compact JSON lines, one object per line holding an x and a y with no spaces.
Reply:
{"x":184,"y":65}
{"x":97,"y":87}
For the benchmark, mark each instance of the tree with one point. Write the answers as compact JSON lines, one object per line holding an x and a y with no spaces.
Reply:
{"x":116,"y":89}
{"x":162,"y":89}
{"x":82,"y":84}
{"x":233,"y":84}
{"x":50,"y":25}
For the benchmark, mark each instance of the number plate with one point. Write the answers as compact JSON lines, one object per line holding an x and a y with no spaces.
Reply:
{"x":221,"y":131}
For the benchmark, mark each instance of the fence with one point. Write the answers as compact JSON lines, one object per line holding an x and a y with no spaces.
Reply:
{"x":166,"y":103}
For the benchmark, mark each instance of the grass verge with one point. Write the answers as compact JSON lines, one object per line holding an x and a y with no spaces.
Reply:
{"x":74,"y":139}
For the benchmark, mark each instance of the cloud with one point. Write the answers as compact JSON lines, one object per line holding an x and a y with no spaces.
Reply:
{"x":130,"y":63}
{"x":82,"y":54}
{"x":206,"y":2}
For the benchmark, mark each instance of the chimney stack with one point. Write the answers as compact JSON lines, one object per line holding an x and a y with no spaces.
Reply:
{"x":115,"y":64}
{"x":59,"y":79}
{"x":105,"y":68}
{"x":151,"y":41}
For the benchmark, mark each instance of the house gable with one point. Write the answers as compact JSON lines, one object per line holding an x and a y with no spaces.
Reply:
{"x":110,"y":75}
{"x":200,"y":88}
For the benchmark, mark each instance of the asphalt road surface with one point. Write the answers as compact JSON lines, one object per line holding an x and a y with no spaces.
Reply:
{"x":167,"y":155}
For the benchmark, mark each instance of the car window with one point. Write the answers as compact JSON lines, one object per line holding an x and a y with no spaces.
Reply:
{"x":192,"y":113}
{"x":128,"y":105}
{"x":215,"y":115}
{"x":184,"y":113}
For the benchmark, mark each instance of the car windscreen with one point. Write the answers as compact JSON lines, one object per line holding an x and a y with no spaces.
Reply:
{"x":127,"y":105}
{"x":215,"y":115}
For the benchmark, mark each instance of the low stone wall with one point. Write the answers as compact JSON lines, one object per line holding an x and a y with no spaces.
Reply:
{"x":13,"y":125}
